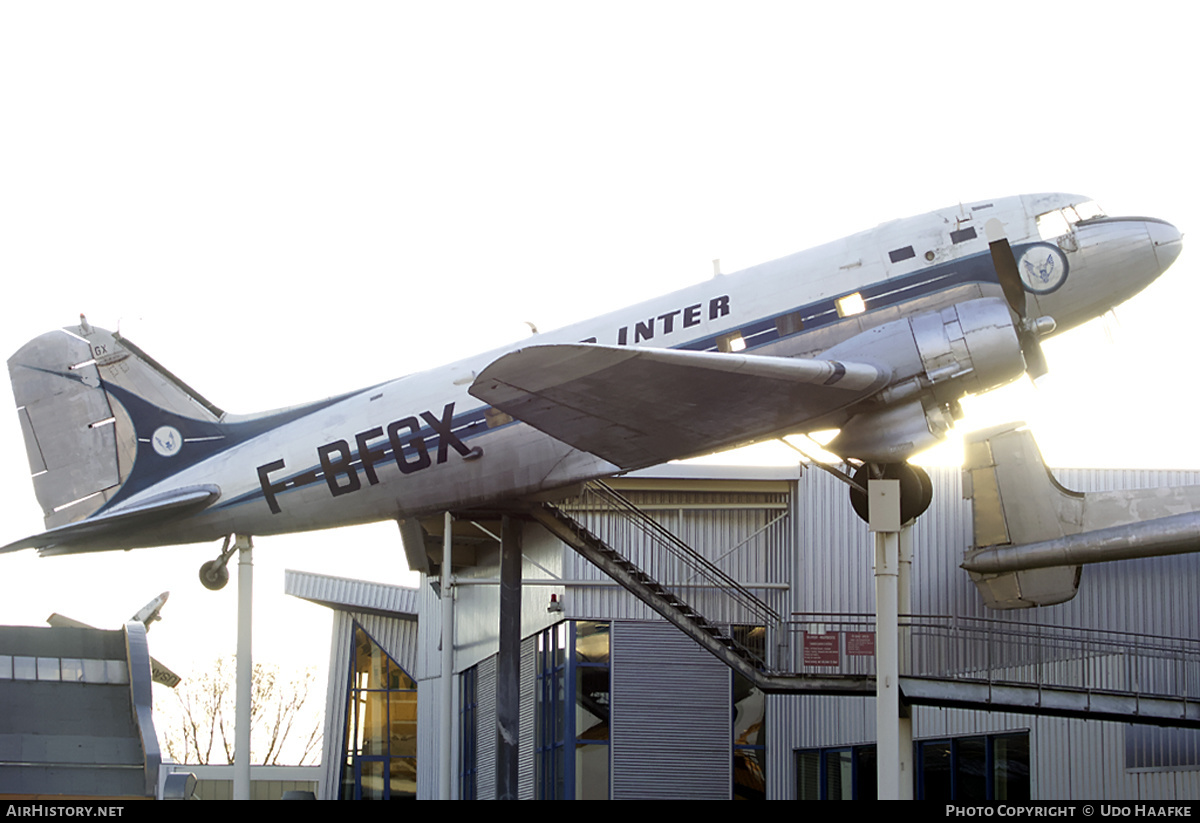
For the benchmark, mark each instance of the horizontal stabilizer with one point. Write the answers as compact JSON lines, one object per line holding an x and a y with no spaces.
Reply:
{"x":107,"y":530}
{"x":1032,"y":536}
{"x":640,"y":407}
{"x":1015,"y":500}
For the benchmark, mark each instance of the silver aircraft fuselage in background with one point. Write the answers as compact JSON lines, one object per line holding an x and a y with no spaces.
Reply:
{"x":879,"y":334}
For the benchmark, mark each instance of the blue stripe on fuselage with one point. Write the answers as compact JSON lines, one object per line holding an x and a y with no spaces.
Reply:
{"x":944,"y":276}
{"x":201,"y":438}
{"x":465,"y":426}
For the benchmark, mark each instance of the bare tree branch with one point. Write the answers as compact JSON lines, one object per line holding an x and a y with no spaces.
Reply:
{"x":200,"y":716}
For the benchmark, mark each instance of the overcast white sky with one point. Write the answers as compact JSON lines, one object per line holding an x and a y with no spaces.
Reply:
{"x":284,"y":200}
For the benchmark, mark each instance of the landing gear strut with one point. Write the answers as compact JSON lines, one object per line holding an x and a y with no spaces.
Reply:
{"x":215,"y":573}
{"x":916,"y":489}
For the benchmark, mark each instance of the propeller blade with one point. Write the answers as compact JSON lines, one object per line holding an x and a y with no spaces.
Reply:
{"x":1029,"y":332}
{"x":1035,"y":358}
{"x":1005,"y":264}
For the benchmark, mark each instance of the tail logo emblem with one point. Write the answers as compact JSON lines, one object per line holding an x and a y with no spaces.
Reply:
{"x":167,"y":441}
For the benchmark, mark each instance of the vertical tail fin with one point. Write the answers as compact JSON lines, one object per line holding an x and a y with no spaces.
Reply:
{"x":78,"y":391}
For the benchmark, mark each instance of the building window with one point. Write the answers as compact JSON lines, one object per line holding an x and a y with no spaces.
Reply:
{"x":846,"y":773}
{"x":468,"y":758}
{"x":1161,"y":747}
{"x":69,"y":669}
{"x":572,"y":659}
{"x":549,"y":702}
{"x":981,"y":768}
{"x":590,"y":674}
{"x":381,"y":726}
{"x":993,"y":767}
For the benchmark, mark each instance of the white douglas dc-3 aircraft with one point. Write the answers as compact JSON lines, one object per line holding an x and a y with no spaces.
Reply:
{"x":879,"y":334}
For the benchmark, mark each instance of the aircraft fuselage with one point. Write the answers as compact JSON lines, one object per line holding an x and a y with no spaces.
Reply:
{"x":423,"y":443}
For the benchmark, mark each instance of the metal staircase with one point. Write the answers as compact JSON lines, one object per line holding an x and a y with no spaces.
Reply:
{"x":670,"y":605}
{"x":672,"y":578}
{"x":709,"y":606}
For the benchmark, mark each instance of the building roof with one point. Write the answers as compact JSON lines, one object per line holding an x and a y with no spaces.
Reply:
{"x":343,"y":594}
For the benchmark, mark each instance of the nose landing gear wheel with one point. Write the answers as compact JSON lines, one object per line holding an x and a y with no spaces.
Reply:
{"x":916,"y":489}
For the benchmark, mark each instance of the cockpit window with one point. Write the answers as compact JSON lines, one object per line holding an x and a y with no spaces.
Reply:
{"x":1053,"y":224}
{"x":1085,"y":210}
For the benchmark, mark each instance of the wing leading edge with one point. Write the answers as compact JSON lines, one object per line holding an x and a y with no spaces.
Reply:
{"x":640,"y":407}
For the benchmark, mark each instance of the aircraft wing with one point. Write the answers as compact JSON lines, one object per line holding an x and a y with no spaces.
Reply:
{"x":89,"y":534}
{"x":639,"y":407}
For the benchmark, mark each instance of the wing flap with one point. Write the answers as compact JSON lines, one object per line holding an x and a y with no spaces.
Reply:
{"x":640,"y":407}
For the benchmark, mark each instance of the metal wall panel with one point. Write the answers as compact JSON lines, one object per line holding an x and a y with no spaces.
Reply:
{"x":526,"y":732}
{"x":477,"y":606}
{"x":429,"y":707}
{"x":333,"y":751}
{"x":671,"y":717}
{"x":745,"y":534}
{"x":485,"y":730}
{"x":1070,"y":759}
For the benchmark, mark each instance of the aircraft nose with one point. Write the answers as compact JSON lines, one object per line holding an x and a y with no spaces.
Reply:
{"x":1167,"y":242}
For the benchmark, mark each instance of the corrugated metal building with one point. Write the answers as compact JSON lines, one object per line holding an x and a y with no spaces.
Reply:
{"x":618,"y":703}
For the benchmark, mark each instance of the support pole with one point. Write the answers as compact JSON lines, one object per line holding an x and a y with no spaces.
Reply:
{"x":245,"y":668}
{"x":904,"y":605}
{"x":447,"y":713}
{"x":884,"y":508}
{"x":508,"y":663}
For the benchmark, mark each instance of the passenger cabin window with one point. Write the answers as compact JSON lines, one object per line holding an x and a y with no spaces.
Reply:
{"x":962,"y":235}
{"x":495,"y":417}
{"x":731,"y":342}
{"x":896,"y":255}
{"x":789,"y":324}
{"x":851,"y":304}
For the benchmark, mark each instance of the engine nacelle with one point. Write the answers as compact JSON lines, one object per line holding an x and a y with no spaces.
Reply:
{"x":892,"y":434}
{"x":935,"y":358}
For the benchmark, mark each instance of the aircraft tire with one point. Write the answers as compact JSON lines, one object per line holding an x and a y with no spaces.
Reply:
{"x":916,"y":489}
{"x":214,"y":575}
